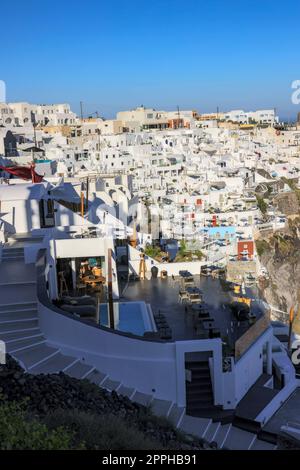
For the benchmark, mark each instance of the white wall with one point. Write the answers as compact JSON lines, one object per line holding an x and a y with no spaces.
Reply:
{"x":20,"y":216}
{"x":65,"y":217}
{"x":250,"y":366}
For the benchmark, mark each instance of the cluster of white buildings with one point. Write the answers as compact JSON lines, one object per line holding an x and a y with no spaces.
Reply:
{"x":24,"y":114}
{"x":113,"y":189}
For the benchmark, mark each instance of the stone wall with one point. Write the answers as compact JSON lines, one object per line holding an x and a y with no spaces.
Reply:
{"x":237,"y":269}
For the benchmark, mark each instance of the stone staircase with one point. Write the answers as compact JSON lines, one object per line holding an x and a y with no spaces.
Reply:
{"x":12,"y":254}
{"x":199,"y":393}
{"x":25,"y":342}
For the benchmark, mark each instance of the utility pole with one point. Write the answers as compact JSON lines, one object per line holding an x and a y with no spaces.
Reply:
{"x":178,"y":114}
{"x":87,"y":194}
{"x":109,"y":288}
{"x":34,"y":136}
{"x":291,"y":320}
{"x":82,"y":204}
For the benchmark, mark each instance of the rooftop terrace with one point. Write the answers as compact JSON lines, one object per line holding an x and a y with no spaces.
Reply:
{"x":163,"y":296}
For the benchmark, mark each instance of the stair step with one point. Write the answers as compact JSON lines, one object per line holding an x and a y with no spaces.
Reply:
{"x":19,"y":335}
{"x":125,"y":391}
{"x":267,"y":436}
{"x":142,"y":398}
{"x":258,"y":444}
{"x":35,"y":355}
{"x":12,"y":248}
{"x":161,"y":407}
{"x":9,"y":247}
{"x":195,"y":426}
{"x":237,"y":439}
{"x":79,"y":370}
{"x":222,"y":434}
{"x":96,"y":377}
{"x":17,"y":345}
{"x":212,"y":431}
{"x":200,"y":374}
{"x":246,"y":424}
{"x":54,"y":364}
{"x":18,"y":326}
{"x":110,"y":385}
{"x":175,"y":415}
{"x":18,"y":316}
{"x":195,"y":399}
{"x":196,"y":408}
{"x":198,"y":388}
{"x":18,"y":307}
{"x":24,"y":236}
{"x":197,"y":366}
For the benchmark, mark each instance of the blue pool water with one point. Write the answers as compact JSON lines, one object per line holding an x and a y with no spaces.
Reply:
{"x":130,"y":317}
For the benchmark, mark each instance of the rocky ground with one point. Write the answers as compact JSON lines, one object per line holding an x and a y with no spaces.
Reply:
{"x":281,"y":257}
{"x":45,"y":393}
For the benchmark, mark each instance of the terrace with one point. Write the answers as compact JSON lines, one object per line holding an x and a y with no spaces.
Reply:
{"x":209,"y":316}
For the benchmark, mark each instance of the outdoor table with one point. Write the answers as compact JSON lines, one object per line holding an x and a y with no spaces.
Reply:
{"x":93,"y":281}
{"x":208,"y":323}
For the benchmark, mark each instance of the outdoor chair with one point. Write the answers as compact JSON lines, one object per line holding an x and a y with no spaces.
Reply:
{"x":166,"y":333}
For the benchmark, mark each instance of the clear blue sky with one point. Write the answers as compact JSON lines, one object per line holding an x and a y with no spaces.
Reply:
{"x":161,"y":53}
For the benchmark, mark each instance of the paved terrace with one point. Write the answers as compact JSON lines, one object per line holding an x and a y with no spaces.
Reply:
{"x":289,"y":412}
{"x":162,"y":295}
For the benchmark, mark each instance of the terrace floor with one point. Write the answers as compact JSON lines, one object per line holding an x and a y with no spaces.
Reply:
{"x":162,"y":295}
{"x":287,"y":413}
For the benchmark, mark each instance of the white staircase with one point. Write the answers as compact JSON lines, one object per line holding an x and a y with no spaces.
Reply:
{"x":12,"y":254}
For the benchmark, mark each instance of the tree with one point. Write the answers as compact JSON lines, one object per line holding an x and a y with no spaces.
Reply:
{"x":262,"y":205}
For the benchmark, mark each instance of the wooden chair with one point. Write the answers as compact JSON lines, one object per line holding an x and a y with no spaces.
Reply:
{"x":62,"y":284}
{"x":81,"y":288}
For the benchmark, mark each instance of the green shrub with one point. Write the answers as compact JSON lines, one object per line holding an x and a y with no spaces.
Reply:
{"x":262,"y":205}
{"x":261,"y":247}
{"x":17,"y":432}
{"x":100,"y":432}
{"x":153,"y":252}
{"x":199,"y":254}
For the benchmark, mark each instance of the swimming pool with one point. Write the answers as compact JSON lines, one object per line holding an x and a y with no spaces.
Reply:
{"x":130,"y":317}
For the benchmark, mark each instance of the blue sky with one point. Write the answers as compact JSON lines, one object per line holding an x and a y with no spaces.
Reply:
{"x":161,"y":53}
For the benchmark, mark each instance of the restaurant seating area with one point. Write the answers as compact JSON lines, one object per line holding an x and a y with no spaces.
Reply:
{"x":90,"y":275}
{"x":81,"y":286}
{"x":192,"y":297}
{"x":83,"y":277}
{"x":207,"y":315}
{"x":163,"y":328}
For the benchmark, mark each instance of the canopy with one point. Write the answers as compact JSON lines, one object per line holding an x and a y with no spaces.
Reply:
{"x":23,"y":172}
